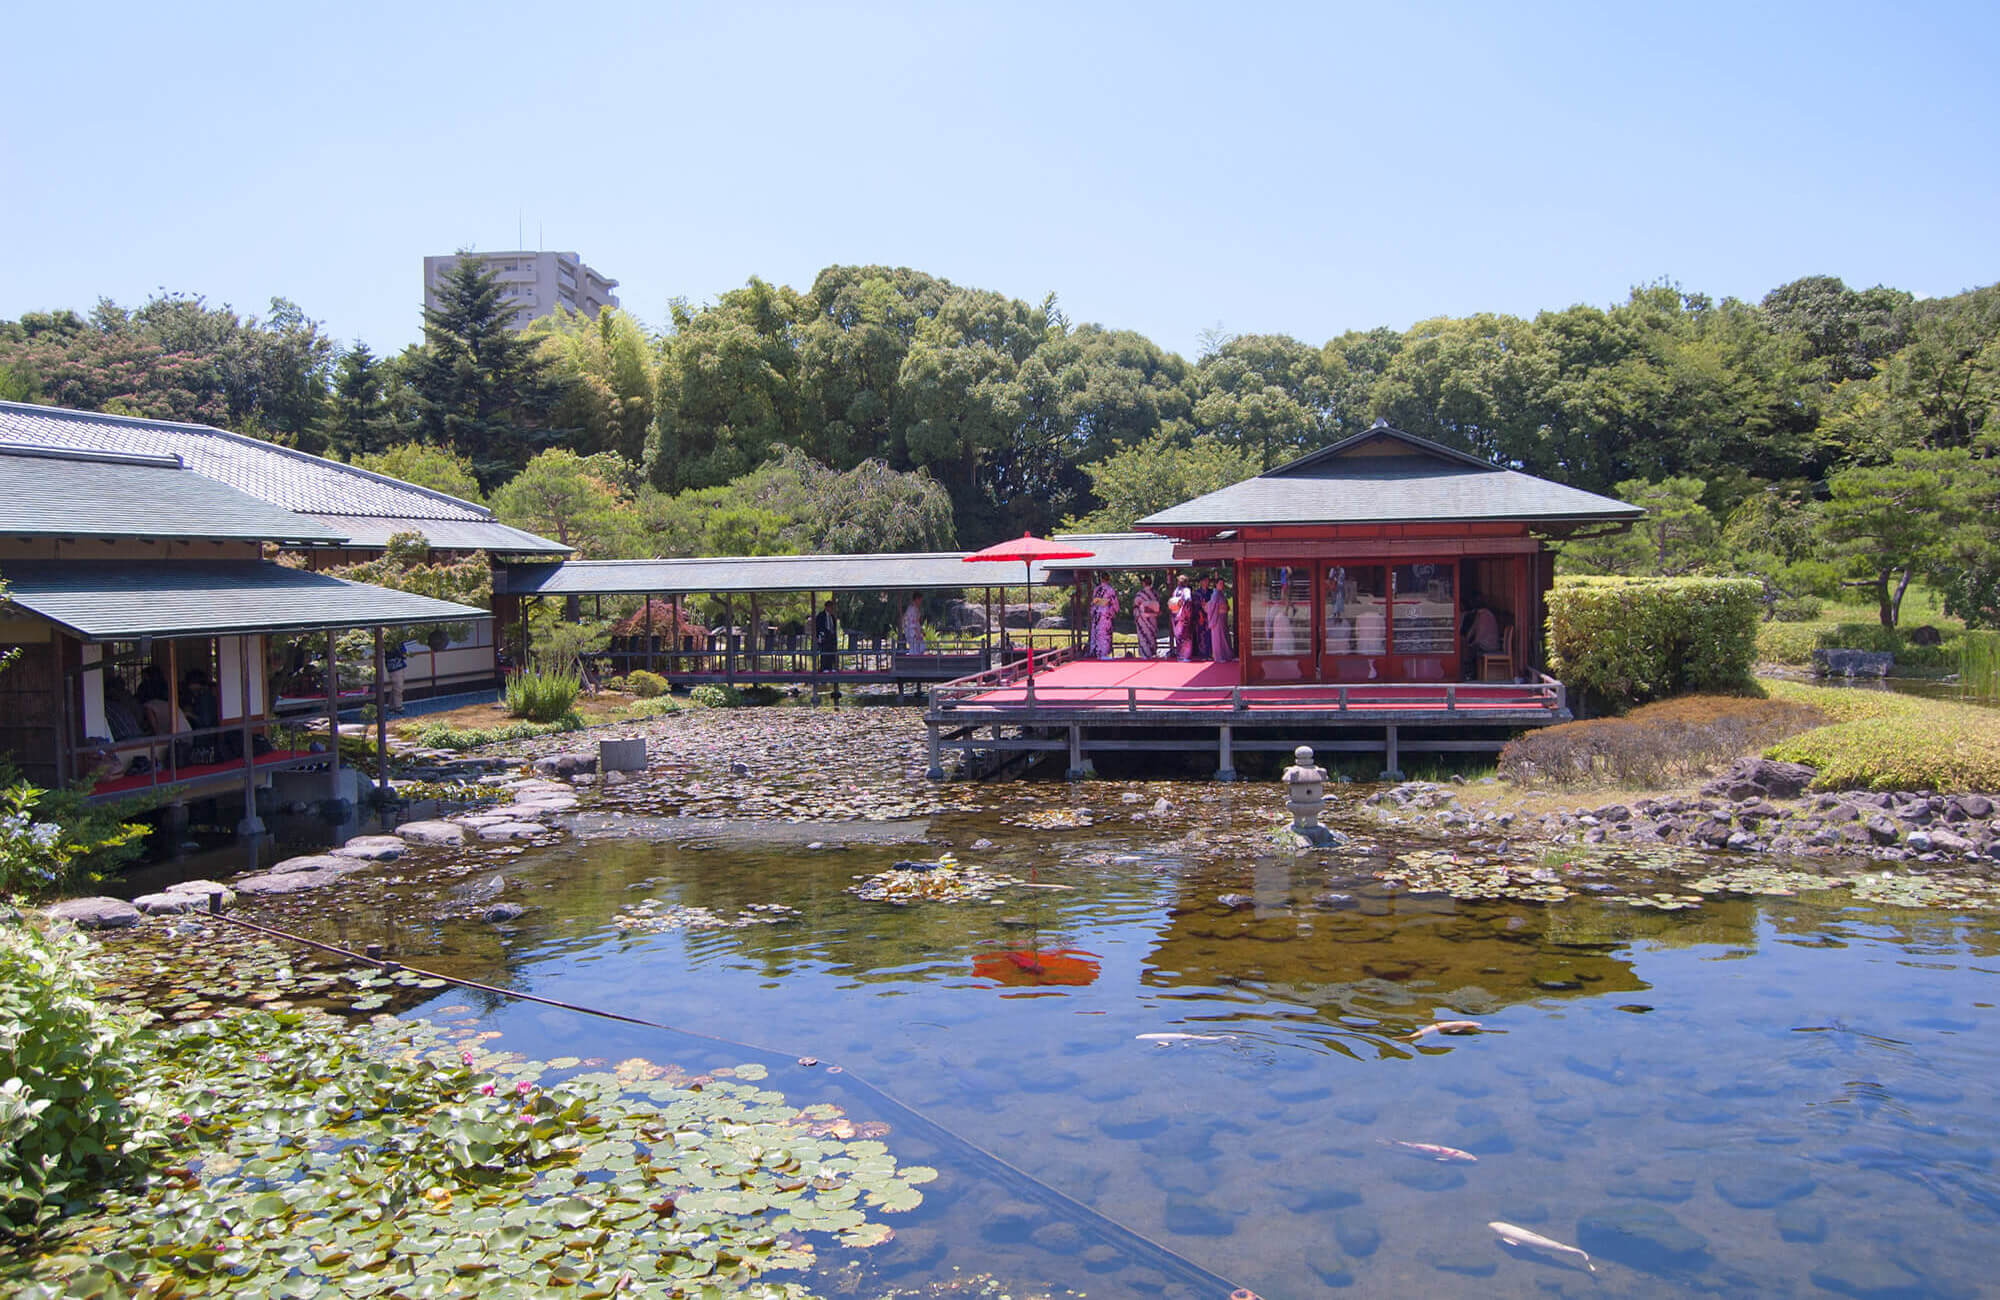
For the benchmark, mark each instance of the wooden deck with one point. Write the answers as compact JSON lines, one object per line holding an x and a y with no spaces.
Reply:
{"x":1086,"y":705}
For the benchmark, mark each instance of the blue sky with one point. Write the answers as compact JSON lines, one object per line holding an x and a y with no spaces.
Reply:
{"x":1304,"y":169}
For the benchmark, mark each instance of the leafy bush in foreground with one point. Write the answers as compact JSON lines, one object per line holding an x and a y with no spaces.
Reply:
{"x":542,"y":695}
{"x":645,"y":684}
{"x":1883,"y":741}
{"x":1630,"y":640}
{"x":65,"y":1071}
{"x":49,"y":842}
{"x":442,"y":735}
{"x":711,"y":695}
{"x":1664,"y":743}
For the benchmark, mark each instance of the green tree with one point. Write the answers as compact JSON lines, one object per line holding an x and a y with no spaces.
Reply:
{"x":1847,"y":331}
{"x":607,"y":371}
{"x":727,"y":389}
{"x":1266,"y":393}
{"x":1891,"y":522}
{"x":1677,"y":537}
{"x":359,"y":420}
{"x":481,"y":388}
{"x":431,"y":467}
{"x":1161,"y":471}
{"x":562,"y":495}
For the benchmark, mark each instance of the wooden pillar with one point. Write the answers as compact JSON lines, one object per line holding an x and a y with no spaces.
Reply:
{"x":812,"y":640}
{"x":1079,"y":767}
{"x":382,"y":715}
{"x":333,"y":713}
{"x":251,"y":823}
{"x":173,"y":709}
{"x":649,"y":633}
{"x":1391,"y":770}
{"x":936,"y":772}
{"x":729,"y":638}
{"x":1225,"y":757}
{"x":756,"y":633}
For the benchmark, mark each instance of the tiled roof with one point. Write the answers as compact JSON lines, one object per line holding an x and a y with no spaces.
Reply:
{"x":106,"y":600}
{"x":1384,"y":475}
{"x":284,"y":477}
{"x":443,"y":534}
{"x":46,"y":492}
{"x":1116,"y":551}
{"x":929,"y":571}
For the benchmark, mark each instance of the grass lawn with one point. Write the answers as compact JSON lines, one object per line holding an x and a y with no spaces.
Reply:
{"x":1855,"y":624}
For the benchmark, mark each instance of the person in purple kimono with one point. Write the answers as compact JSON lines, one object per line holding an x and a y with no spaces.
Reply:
{"x":1198,"y":630}
{"x":1146,"y":618}
{"x":1218,"y":622}
{"x":1181,"y":606}
{"x":1103,"y":609}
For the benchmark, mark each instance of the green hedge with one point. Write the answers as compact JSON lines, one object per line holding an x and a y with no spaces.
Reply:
{"x":1628,"y":640}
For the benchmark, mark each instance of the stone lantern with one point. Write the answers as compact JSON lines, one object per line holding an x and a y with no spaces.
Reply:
{"x":1305,"y":794}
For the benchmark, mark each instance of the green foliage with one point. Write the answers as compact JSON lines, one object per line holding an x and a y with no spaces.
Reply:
{"x":426,"y":466}
{"x":562,"y":495}
{"x":1979,"y":664}
{"x":1677,"y":537}
{"x":1629,"y":640}
{"x":405,"y":566}
{"x":645,"y":684}
{"x":1161,"y":471}
{"x":481,"y":389}
{"x":66,"y":1079}
{"x":714,"y":695}
{"x":1879,"y":740}
{"x":1794,"y":643}
{"x":49,"y":843}
{"x":607,"y":369}
{"x":542,"y":695}
{"x":1798,"y":609}
{"x":442,"y":735}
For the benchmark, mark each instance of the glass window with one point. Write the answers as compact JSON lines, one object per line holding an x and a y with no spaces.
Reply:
{"x":1357,"y":609}
{"x":1426,"y":610}
{"x":1280,"y":610}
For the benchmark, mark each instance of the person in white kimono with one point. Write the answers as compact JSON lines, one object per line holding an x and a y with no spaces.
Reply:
{"x":913,"y":625}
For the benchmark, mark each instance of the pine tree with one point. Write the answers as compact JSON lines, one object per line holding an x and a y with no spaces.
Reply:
{"x":359,"y":420}
{"x":482,"y":390}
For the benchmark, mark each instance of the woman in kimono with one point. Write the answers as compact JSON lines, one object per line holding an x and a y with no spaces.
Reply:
{"x":1103,"y":609}
{"x":1146,"y":618}
{"x":1218,"y":624}
{"x":1198,"y":621}
{"x":1181,"y":605}
{"x":913,"y":624}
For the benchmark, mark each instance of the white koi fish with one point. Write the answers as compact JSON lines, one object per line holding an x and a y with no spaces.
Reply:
{"x":1516,"y":1236}
{"x":1432,"y":1151}
{"x":1445,"y":1027}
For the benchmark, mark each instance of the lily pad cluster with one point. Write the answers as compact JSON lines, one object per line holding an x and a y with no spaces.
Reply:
{"x":298,"y":1156}
{"x":946,"y":881}
{"x":186,"y":971}
{"x":1053,"y":819}
{"x":1465,"y":876}
{"x":658,"y":916}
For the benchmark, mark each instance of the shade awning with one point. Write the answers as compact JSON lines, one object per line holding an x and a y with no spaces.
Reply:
{"x":107,"y":601}
{"x":916,"y":571}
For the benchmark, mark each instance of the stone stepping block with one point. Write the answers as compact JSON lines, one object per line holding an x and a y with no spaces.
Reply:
{"x":370,"y":848}
{"x":442,"y":834}
{"x":512,"y":831}
{"x":97,"y":913}
{"x":295,"y":882}
{"x":310,"y":862}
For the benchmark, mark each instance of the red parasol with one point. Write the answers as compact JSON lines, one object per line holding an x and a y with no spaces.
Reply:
{"x":1027,"y":967}
{"x":1027,"y":548}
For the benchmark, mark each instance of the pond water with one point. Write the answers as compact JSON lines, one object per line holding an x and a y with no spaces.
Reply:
{"x":1783,"y":1096}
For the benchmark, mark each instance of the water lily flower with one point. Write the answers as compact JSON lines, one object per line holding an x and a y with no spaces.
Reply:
{"x":486,"y":1089}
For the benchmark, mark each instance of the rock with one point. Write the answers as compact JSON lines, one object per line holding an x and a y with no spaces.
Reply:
{"x":1843,"y":812}
{"x":512,"y":831}
{"x":1357,"y":1234}
{"x":1852,"y":663}
{"x":371,"y":848}
{"x":1800,"y":1223}
{"x":1059,"y":1237}
{"x":1882,"y":830}
{"x":1975,"y":806}
{"x":441,"y":834}
{"x":1762,"y":1189}
{"x":166,"y":904}
{"x":1762,"y":778}
{"x":1235,"y":902}
{"x":501,"y":912}
{"x":1012,"y":1221}
{"x":1616,"y":812}
{"x":1870,"y":1277}
{"x":1644,"y":1237}
{"x":980,"y":845}
{"x":97,"y":913}
{"x":1950,"y":842}
{"x":1918,"y":842}
{"x":1925,"y":635}
{"x":293,"y":882}
{"x":311,"y":862}
{"x":205,"y":890}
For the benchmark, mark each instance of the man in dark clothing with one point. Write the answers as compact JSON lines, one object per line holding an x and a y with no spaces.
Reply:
{"x":826,"y":640}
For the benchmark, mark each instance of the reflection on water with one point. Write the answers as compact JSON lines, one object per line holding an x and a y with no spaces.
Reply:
{"x":1777,"y":1097}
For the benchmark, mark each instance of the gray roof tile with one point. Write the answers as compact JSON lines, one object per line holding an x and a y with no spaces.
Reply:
{"x":105,"y":600}
{"x":53,"y":493}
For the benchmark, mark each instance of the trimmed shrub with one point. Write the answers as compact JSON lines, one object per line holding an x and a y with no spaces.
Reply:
{"x":646,"y":685}
{"x":618,"y":684}
{"x":713,"y":696}
{"x":65,"y":1060}
{"x":1883,"y":741}
{"x":1798,"y":609}
{"x":1664,"y":743}
{"x":442,"y":735}
{"x":1628,"y":640}
{"x":540,"y":695}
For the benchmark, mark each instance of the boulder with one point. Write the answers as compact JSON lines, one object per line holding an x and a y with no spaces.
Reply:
{"x":1852,"y":663}
{"x":370,"y":848}
{"x":1975,"y":806}
{"x":205,"y":890}
{"x":1925,"y":635}
{"x":443,"y":834}
{"x":294,"y":882}
{"x":97,"y":913}
{"x":311,"y":862}
{"x":512,"y":831}
{"x":1882,"y":830}
{"x":169,"y":904}
{"x":961,"y":616}
{"x":501,"y":912}
{"x":565,"y":765}
{"x":1761,"y":778}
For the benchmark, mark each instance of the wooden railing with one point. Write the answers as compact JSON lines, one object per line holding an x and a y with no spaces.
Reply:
{"x":791,"y":657}
{"x":972,"y":695}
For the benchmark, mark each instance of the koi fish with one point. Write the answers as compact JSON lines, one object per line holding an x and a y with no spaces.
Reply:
{"x":1514,"y":1236}
{"x":1446,"y":1027}
{"x":1432,"y":1151}
{"x":1184,"y":1038}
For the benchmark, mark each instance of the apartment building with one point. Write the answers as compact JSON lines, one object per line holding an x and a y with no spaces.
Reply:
{"x":536,"y":283}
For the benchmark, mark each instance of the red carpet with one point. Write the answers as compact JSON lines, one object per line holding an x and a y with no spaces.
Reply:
{"x":1116,"y":683}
